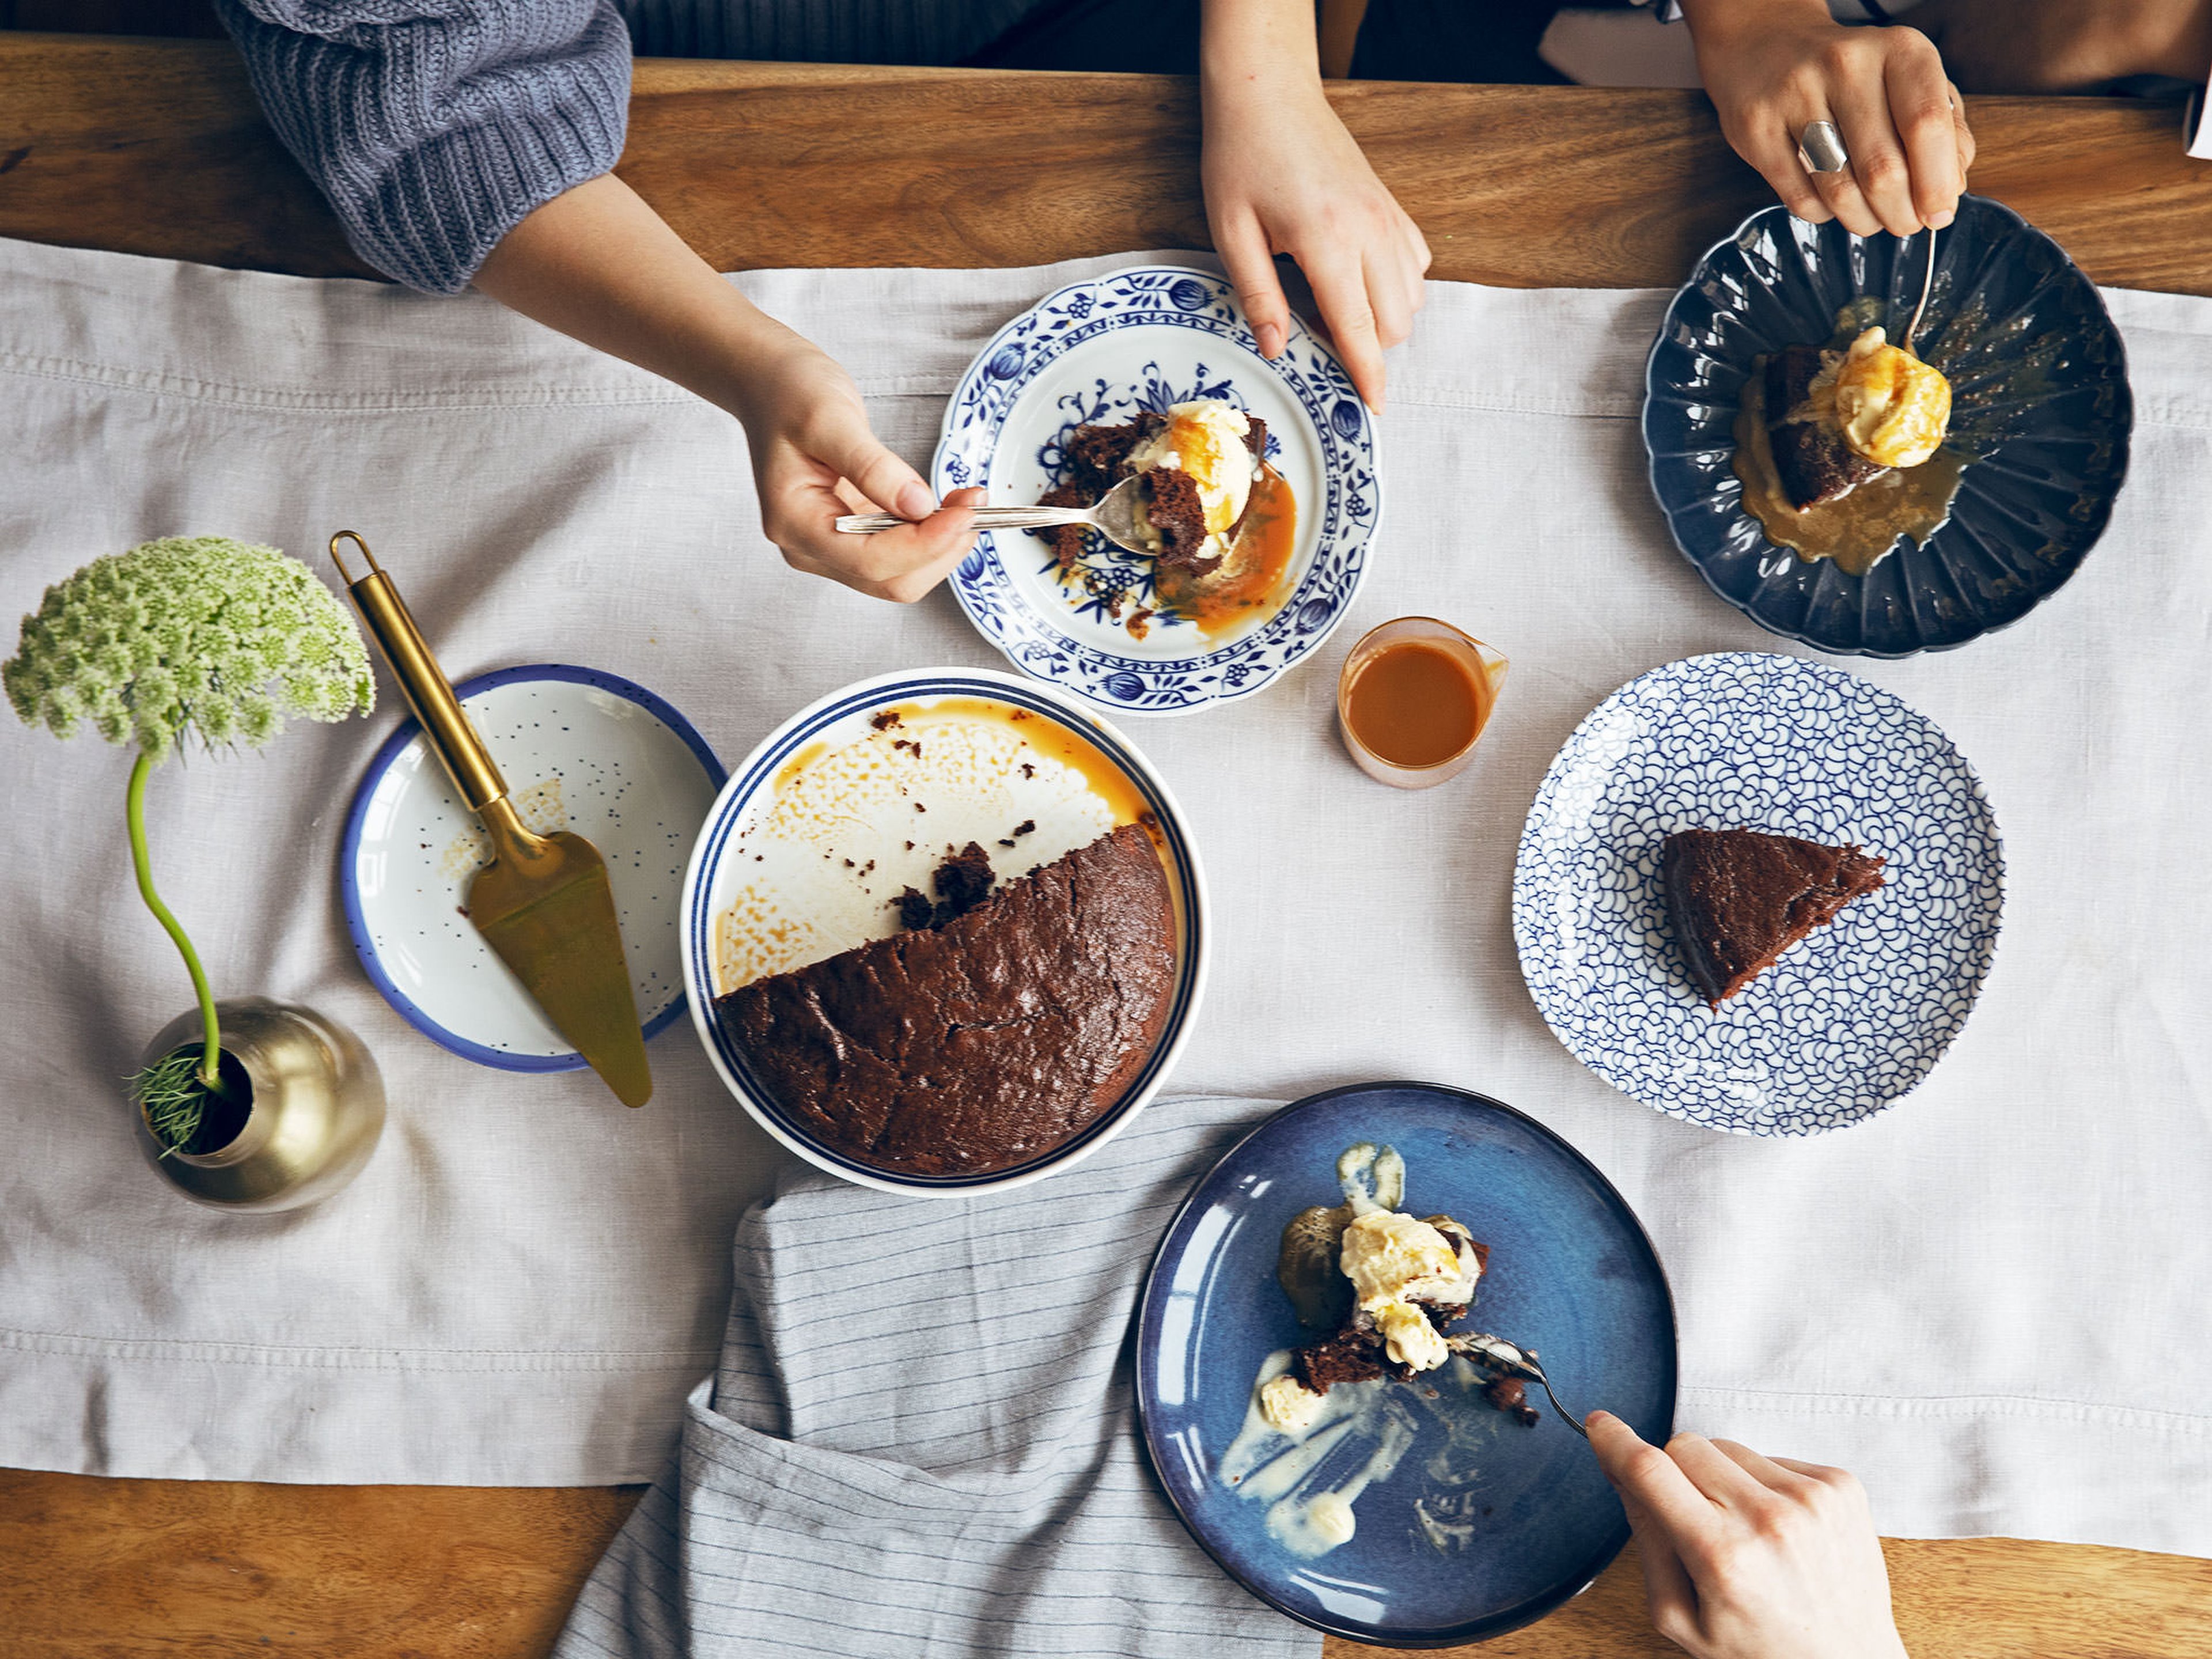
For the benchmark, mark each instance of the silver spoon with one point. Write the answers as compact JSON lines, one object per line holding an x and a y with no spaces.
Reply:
{"x":1496,"y":1353}
{"x":1115,"y":517}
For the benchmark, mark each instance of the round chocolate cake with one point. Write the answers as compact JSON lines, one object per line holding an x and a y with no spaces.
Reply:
{"x":986,"y":1040}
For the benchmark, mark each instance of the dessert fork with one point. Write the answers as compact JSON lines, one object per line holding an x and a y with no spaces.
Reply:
{"x":1115,"y":517}
{"x":1927,"y":287}
{"x":1496,"y":1353}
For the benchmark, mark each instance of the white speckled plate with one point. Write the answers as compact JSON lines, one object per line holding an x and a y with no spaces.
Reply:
{"x":581,"y":751}
{"x":1849,"y":1019}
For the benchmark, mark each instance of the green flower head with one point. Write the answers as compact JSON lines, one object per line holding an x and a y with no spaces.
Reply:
{"x":193,"y":634}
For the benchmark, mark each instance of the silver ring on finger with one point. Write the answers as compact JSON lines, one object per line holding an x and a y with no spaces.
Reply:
{"x":1820,"y":147}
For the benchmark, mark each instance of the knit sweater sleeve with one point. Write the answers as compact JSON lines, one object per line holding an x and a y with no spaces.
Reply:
{"x":434,"y":126}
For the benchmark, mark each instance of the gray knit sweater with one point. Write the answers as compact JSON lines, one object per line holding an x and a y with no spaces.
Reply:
{"x":434,"y":126}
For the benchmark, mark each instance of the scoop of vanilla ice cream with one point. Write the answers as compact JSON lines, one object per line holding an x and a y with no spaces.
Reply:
{"x":1288,"y":1403}
{"x":1409,"y":1338}
{"x":1394,"y":1260}
{"x":1330,"y":1518}
{"x":1205,"y":439}
{"x":1895,"y":409}
{"x":1390,"y":1256}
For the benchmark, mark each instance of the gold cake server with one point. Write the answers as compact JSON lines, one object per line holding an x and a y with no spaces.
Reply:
{"x":544,"y":903}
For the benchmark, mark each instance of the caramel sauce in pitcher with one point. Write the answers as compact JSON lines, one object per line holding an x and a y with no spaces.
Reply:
{"x":1416,"y":704}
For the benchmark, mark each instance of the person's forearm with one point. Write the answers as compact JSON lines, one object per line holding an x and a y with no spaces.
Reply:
{"x":599,"y":265}
{"x":1262,"y":47}
{"x":1712,"y":20}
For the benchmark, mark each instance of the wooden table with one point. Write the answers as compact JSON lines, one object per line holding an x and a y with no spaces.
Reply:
{"x":157,"y":148}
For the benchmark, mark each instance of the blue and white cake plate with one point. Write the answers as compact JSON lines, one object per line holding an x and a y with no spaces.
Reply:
{"x":1849,"y":1019}
{"x":581,"y":749}
{"x":1098,"y":352}
{"x":822,"y":825}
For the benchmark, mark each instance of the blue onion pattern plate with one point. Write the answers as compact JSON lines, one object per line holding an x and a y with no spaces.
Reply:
{"x":2040,"y":399}
{"x":1849,"y":1019}
{"x":1484,"y":1524}
{"x":1100,"y":351}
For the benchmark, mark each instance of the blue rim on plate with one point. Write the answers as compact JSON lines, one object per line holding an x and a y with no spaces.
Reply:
{"x":1571,"y":1273}
{"x":1000,"y":585}
{"x":357,"y":818}
{"x":1849,"y":1020}
{"x":731,"y":812}
{"x":2040,"y":400}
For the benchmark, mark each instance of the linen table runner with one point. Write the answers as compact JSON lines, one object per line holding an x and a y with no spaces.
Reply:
{"x":524,"y":1282}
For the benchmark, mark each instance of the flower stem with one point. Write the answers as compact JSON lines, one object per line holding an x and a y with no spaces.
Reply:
{"x":210,"y":1070}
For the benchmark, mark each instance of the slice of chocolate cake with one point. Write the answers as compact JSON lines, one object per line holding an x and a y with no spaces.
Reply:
{"x":1738,"y":898}
{"x":1094,"y":458}
{"x":1810,"y":456}
{"x":983,"y":1041}
{"x":1097,"y":456}
{"x":1178,"y":515}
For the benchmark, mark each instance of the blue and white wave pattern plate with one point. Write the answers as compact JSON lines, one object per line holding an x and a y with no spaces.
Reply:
{"x":1849,"y":1019}
{"x":1100,"y":351}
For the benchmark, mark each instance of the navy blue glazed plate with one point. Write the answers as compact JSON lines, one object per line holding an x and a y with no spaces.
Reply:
{"x":1483,"y":1524}
{"x":2040,"y":399}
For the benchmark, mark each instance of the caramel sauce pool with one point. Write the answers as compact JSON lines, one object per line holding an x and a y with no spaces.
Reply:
{"x":1251,"y":579}
{"x":1416,"y":704}
{"x":1856,"y":531}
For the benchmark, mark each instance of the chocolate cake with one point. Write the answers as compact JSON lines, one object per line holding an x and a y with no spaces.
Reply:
{"x":1178,"y":515}
{"x":983,"y":1042}
{"x":1810,"y":456}
{"x":1510,"y":1394}
{"x":1354,"y":1354}
{"x":1738,"y":898}
{"x":962,"y":882}
{"x":1097,"y":458}
{"x":1360,"y":1352}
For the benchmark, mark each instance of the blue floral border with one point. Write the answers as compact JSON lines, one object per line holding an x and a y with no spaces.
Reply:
{"x":1154,"y":296}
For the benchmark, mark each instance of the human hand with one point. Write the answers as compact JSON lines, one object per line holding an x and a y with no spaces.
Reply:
{"x":599,"y":265}
{"x":815,"y":456}
{"x":1282,"y":176}
{"x":1772,"y":69}
{"x":1747,"y":1556}
{"x":2067,"y":46}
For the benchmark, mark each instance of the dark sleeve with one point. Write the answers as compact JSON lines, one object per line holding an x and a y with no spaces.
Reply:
{"x":434,"y":126}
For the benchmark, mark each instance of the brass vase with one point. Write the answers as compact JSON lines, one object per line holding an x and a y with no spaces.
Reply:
{"x":313,"y":1107}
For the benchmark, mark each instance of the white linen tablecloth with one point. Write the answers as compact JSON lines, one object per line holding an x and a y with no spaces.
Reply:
{"x":1990,"y":1301}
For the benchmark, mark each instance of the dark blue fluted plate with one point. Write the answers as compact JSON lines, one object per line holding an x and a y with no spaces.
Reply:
{"x":1527,"y":1520}
{"x":2040,"y":398}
